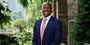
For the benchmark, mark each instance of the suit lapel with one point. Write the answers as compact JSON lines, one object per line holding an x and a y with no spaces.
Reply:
{"x":39,"y":25}
{"x":49,"y":23}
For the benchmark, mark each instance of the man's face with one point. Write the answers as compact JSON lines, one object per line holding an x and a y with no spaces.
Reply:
{"x":46,"y":9}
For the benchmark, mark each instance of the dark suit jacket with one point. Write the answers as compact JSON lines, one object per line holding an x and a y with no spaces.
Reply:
{"x":52,"y":33}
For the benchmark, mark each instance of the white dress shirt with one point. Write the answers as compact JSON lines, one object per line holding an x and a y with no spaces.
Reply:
{"x":48,"y":18}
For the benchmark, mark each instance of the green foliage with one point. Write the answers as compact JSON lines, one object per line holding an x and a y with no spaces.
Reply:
{"x":4,"y":17}
{"x":25,"y":3}
{"x":24,"y":38}
{"x":21,"y":22}
{"x":5,"y":39}
{"x":42,"y":1}
{"x":84,"y":5}
{"x":80,"y":33}
{"x":35,"y":13}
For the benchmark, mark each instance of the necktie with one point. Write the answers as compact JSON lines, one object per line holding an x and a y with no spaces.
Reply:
{"x":42,"y":29}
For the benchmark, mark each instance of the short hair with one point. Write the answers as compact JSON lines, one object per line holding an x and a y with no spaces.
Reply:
{"x":48,"y":3}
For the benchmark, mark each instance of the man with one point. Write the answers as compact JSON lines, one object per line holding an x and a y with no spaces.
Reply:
{"x":48,"y":30}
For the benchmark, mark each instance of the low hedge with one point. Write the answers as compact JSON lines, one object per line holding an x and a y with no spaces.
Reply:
{"x":6,"y":39}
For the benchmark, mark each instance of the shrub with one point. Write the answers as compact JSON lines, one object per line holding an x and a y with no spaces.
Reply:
{"x":5,"y":39}
{"x":80,"y":33}
{"x":24,"y":38}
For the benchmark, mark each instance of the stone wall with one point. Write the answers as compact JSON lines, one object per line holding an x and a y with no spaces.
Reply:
{"x":60,"y":12}
{"x":65,"y":10}
{"x":70,"y":25}
{"x":72,"y":8}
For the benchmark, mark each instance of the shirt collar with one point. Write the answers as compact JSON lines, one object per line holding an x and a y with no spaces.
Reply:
{"x":47,"y":17}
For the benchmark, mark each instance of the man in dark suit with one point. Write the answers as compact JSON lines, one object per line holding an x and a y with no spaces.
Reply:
{"x":48,"y":30}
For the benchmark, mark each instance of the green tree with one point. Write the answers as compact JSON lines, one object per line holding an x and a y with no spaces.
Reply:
{"x":4,"y":17}
{"x":21,"y":22}
{"x":80,"y":33}
{"x":35,"y":13}
{"x":25,"y":3}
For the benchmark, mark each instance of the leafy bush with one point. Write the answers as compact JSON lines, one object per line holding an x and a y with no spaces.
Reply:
{"x":24,"y":38}
{"x":5,"y":39}
{"x":80,"y":33}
